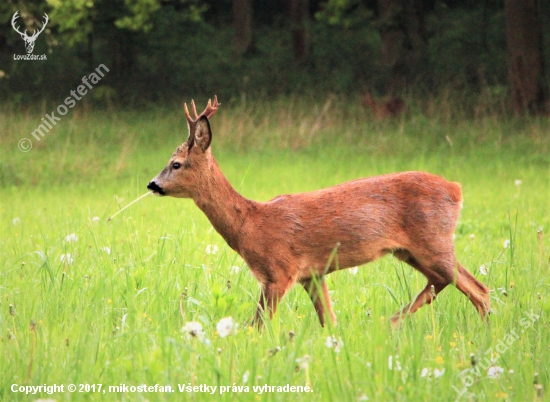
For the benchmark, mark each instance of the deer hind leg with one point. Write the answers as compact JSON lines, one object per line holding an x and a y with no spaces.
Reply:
{"x":451,"y":270}
{"x":440,"y":273}
{"x":435,"y":285}
{"x":321,"y":301}
{"x":425,"y":297}
{"x":476,"y":291}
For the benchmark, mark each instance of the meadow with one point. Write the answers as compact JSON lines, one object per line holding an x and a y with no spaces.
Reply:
{"x":101,"y":304}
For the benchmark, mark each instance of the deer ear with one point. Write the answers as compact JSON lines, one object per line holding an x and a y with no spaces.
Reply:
{"x":203,"y":134}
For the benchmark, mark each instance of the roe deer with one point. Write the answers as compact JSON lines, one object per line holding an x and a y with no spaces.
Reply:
{"x":392,"y":107}
{"x":302,"y":237}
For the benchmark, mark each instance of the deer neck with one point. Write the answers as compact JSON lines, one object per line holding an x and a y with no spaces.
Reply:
{"x":224,"y":207}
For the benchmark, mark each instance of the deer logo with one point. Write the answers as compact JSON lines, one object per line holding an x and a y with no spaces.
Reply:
{"x":29,"y":40}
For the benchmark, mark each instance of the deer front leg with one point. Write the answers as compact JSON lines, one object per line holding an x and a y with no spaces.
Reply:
{"x":270,"y":295}
{"x":320,"y":300}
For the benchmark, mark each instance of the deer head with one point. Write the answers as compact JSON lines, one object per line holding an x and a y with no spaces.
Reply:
{"x":185,"y":169}
{"x":29,"y":40}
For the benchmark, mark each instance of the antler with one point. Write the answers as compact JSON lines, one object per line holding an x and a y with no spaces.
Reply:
{"x":46,"y":19}
{"x":15,"y":16}
{"x":210,"y":111}
{"x":35,"y":34}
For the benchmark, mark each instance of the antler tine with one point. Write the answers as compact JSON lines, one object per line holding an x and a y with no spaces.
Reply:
{"x":13,"y":19}
{"x":46,"y":19}
{"x":194,"y":109}
{"x":187,"y":115}
{"x":211,"y":109}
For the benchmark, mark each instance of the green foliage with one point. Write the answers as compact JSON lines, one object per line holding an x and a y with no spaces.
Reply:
{"x":346,"y":13}
{"x":159,"y":51}
{"x":74,"y":18}
{"x":474,"y":34}
{"x":140,"y":17}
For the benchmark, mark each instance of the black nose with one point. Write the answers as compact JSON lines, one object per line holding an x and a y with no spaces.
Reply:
{"x":154,"y":187}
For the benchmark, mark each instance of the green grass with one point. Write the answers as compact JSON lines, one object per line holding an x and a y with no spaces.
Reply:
{"x":115,"y":318}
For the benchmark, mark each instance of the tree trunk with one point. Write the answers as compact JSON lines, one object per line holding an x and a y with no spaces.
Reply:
{"x":298,"y":13}
{"x":526,"y":68}
{"x":403,"y":34}
{"x":242,"y":22}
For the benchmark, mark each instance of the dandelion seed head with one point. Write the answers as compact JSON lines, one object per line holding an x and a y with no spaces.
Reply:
{"x":193,"y":329}
{"x":211,"y":249}
{"x":483,"y":270}
{"x":333,"y":343}
{"x":66,"y":258}
{"x":226,"y":326}
{"x":494,"y":371}
{"x":71,"y":238}
{"x":303,"y":362}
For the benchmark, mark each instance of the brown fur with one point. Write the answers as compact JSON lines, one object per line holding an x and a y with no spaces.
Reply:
{"x":392,"y":107}
{"x":299,"y":238}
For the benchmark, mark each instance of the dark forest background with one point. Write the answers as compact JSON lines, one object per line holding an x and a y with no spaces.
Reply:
{"x":168,"y":50}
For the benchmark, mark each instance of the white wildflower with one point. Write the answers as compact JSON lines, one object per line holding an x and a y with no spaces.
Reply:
{"x":234,"y":269}
{"x":517,"y":182}
{"x":354,"y":270}
{"x":245,"y":376}
{"x":66,"y":258}
{"x":193,"y":329}
{"x":333,"y":343}
{"x":16,"y":221}
{"x":472,"y":236}
{"x":107,"y":250}
{"x":303,"y":362}
{"x":226,"y":327}
{"x":483,"y":270}
{"x":397,"y":363}
{"x":427,"y":373}
{"x":363,"y":397}
{"x":506,"y":243}
{"x":211,"y":249}
{"x":494,"y":371}
{"x":71,"y":238}
{"x":95,"y":219}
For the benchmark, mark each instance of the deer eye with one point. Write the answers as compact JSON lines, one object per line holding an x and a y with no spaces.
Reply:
{"x":176,"y":165}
